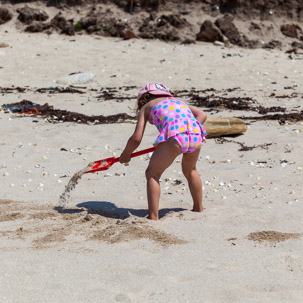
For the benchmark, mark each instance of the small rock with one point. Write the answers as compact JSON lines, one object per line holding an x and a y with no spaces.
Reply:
{"x":209,"y":33}
{"x":229,"y":29}
{"x":130,"y":35}
{"x":28,"y":15}
{"x":291,"y":30}
{"x":60,"y":23}
{"x":5,"y":15}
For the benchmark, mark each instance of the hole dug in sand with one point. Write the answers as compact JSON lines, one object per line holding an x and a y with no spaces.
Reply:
{"x":272,"y":236}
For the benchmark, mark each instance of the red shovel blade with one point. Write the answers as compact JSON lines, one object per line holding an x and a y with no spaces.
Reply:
{"x":105,"y":164}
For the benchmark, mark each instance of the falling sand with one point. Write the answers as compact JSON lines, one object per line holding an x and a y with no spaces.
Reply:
{"x":72,"y":184}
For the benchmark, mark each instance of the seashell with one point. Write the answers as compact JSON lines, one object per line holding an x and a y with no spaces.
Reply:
{"x":222,"y":183}
{"x":12,"y":185}
{"x":59,"y":181}
{"x":6,"y":174}
{"x":37,"y":165}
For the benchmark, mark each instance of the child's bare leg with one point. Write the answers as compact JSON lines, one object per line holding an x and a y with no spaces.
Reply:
{"x":163,"y":157}
{"x":193,"y":178}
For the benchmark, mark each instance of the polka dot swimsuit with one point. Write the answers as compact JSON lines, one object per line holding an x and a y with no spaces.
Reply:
{"x":173,"y":118}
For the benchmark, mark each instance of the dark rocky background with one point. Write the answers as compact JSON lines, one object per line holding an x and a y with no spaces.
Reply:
{"x":251,"y":24}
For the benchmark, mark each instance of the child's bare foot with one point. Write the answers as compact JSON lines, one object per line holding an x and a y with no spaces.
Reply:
{"x":153,"y":217}
{"x":198,"y":209}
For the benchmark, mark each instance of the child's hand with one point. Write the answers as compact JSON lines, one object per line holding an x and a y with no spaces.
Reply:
{"x":124,"y":158}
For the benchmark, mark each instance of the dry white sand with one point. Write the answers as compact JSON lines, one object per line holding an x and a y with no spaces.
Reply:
{"x":102,"y":249}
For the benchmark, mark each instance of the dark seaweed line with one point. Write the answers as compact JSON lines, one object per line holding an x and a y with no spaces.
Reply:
{"x":56,"y":115}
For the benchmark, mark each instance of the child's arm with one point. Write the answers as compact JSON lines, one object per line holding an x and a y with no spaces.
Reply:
{"x":134,"y":140}
{"x":199,"y":114}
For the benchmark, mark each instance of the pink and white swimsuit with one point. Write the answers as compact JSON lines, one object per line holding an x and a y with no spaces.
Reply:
{"x":173,"y":118}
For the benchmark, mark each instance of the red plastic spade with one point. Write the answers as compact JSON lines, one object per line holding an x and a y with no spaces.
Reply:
{"x":105,"y":164}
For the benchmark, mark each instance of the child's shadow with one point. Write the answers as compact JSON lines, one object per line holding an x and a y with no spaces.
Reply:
{"x":110,"y":210}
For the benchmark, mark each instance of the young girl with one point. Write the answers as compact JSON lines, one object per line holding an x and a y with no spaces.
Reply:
{"x":181,"y":131}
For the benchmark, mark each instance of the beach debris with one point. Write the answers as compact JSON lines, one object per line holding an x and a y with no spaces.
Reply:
{"x":281,"y":118}
{"x":217,"y":127}
{"x":243,"y":147}
{"x":219,"y":43}
{"x":57,"y":89}
{"x":76,"y":78}
{"x":55,"y":115}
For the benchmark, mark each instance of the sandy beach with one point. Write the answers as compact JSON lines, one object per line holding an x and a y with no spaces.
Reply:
{"x":246,"y":246}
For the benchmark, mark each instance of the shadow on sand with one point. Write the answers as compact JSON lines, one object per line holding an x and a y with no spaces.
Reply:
{"x":110,"y":210}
